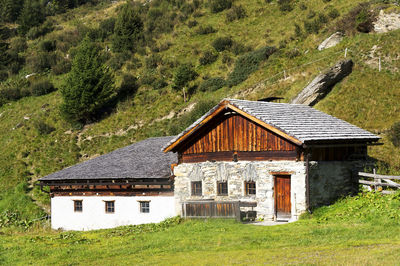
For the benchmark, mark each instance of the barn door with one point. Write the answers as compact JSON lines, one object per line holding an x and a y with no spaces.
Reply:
{"x":282,"y":197}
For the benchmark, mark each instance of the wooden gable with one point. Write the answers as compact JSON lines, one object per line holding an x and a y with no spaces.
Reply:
{"x":230,"y":136}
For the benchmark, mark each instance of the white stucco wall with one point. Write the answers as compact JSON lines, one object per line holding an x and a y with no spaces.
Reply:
{"x":93,"y":215}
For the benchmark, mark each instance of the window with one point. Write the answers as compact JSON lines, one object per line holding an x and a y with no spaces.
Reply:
{"x":77,"y":206}
{"x":250,"y":188}
{"x":110,"y":207}
{"x":222,"y":188}
{"x":144,"y":206}
{"x":196,"y":188}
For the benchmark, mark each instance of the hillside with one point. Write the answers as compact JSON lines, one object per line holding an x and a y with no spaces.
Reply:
{"x":36,"y":140}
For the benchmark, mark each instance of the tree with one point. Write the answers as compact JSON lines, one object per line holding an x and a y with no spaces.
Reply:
{"x":31,"y":15}
{"x":10,"y":9}
{"x":128,"y":30}
{"x":89,"y":87}
{"x":183,"y":75}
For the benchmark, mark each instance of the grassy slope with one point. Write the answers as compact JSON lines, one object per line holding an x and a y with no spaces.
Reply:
{"x":367,"y":98}
{"x":355,"y":231}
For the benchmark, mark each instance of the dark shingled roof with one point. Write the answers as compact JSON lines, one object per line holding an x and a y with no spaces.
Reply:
{"x":143,"y":159}
{"x":299,"y":121}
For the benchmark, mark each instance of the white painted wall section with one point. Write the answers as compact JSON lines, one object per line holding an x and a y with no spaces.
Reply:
{"x":94,"y":216}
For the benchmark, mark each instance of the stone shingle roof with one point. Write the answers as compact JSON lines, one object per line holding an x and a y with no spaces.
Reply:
{"x":302,"y":122}
{"x":143,"y":159}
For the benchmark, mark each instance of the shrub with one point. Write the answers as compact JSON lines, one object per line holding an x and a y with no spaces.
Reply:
{"x":36,"y":32}
{"x":238,"y":48}
{"x":107,"y":28}
{"x":153,"y":61}
{"x":128,"y":86}
{"x":217,"y":6}
{"x":118,"y":60}
{"x":61,"y":67}
{"x":359,"y":19}
{"x":205,"y":30}
{"x":41,"y":61}
{"x":316,"y":24}
{"x":47,"y":45}
{"x":18,"y":45}
{"x":293,"y":53}
{"x":3,"y":75}
{"x":285,"y":5}
{"x":235,"y":13}
{"x":222,"y":43}
{"x":42,"y":128}
{"x":226,"y":59}
{"x":394,"y":134}
{"x":41,"y":87}
{"x":192,"y":23}
{"x":297,"y":30}
{"x":333,"y":13}
{"x":212,"y":84}
{"x":208,"y":57}
{"x":247,"y":64}
{"x":159,"y":83}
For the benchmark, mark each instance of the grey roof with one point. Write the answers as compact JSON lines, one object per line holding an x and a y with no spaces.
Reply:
{"x":143,"y":159}
{"x":299,"y":121}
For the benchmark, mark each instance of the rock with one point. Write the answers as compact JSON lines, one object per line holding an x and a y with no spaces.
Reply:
{"x":386,"y":22}
{"x":333,"y":40}
{"x":323,"y":83}
{"x":27,"y":117}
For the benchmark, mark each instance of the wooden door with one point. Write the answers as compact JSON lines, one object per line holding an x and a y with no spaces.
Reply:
{"x":282,"y":197}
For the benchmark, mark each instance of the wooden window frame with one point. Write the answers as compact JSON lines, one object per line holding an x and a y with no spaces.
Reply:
{"x":248,"y":190}
{"x":106,"y":207}
{"x":222,"y":188}
{"x":144,"y":209}
{"x":78,"y":208}
{"x":196,"y":191}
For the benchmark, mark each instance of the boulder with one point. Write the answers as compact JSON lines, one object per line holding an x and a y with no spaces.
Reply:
{"x":323,"y":83}
{"x":386,"y":22}
{"x":333,"y":40}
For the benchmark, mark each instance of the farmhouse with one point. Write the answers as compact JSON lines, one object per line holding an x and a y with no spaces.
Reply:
{"x":276,"y":160}
{"x":132,"y":185}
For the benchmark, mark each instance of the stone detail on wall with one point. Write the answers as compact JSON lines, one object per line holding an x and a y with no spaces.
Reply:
{"x":330,"y":180}
{"x":236,"y":173}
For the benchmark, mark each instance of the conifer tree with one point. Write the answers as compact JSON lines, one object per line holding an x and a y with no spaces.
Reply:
{"x":31,"y":15}
{"x":89,"y":87}
{"x":10,"y":9}
{"x":128,"y":30}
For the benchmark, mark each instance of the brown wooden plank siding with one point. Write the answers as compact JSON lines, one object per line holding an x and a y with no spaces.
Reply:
{"x":234,"y":133}
{"x":244,"y":156}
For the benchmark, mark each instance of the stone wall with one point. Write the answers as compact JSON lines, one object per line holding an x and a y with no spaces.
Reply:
{"x":330,"y":180}
{"x":236,"y":173}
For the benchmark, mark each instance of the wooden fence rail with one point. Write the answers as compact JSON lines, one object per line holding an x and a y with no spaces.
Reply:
{"x":380,"y":181}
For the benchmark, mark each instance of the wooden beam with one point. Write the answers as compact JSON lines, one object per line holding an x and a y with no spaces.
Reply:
{"x":375,"y":176}
{"x":377,"y":183}
{"x":221,"y":107}
{"x":267,"y":126}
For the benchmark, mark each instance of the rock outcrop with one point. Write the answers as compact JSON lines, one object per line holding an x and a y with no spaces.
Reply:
{"x":323,"y":83}
{"x":387,"y":22}
{"x":332,"y":41}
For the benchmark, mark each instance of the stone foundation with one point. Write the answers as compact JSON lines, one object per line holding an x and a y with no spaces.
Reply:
{"x":236,"y":173}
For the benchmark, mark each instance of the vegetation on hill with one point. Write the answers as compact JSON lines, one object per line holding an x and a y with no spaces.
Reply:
{"x":201,"y":50}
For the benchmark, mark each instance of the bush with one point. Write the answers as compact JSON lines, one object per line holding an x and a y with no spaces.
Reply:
{"x":285,"y":5}
{"x":222,"y":43}
{"x":61,"y":67}
{"x":153,"y":61}
{"x":217,"y":6}
{"x":159,"y":83}
{"x":3,"y":75}
{"x":238,"y":48}
{"x":118,"y":60}
{"x":226,"y":59}
{"x":36,"y":32}
{"x":47,"y":45}
{"x":359,"y":19}
{"x":192,"y":23}
{"x":212,"y":84}
{"x":247,"y":64}
{"x":333,"y":13}
{"x":41,"y":87}
{"x":18,"y":45}
{"x":208,"y":57}
{"x":41,"y":61}
{"x":42,"y":128}
{"x":316,"y":24}
{"x":394,"y":134}
{"x":205,"y":30}
{"x":235,"y":13}
{"x":128,"y":86}
{"x":107,"y":28}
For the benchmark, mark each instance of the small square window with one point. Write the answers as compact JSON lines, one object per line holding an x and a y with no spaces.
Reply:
{"x":250,"y":188}
{"x":222,"y":188}
{"x":77,"y":206}
{"x":144,"y":206}
{"x":110,"y":206}
{"x":196,"y":188}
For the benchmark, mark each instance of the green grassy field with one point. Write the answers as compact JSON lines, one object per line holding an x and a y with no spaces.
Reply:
{"x":360,"y":230}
